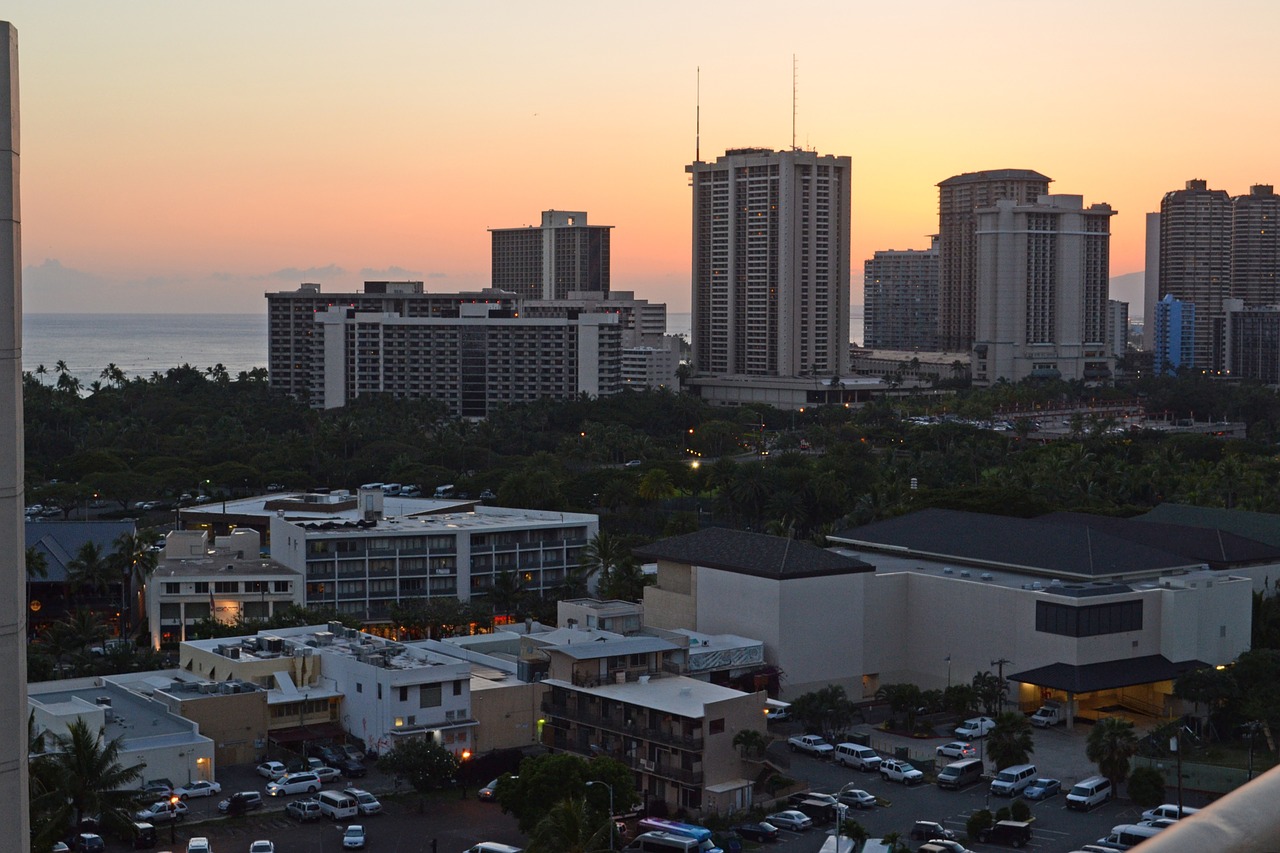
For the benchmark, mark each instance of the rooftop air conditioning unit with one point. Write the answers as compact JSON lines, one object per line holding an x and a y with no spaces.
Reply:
{"x":964,"y":573}
{"x":986,"y":576}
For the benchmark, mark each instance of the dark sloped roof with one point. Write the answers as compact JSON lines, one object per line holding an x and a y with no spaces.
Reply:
{"x":1259,"y":526}
{"x":752,"y":554}
{"x":60,"y":540}
{"x":995,"y":175}
{"x":1003,"y":541}
{"x":1106,"y":675}
{"x":1218,"y":548}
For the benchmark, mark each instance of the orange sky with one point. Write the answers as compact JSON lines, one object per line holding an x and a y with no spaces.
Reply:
{"x":189,"y":157}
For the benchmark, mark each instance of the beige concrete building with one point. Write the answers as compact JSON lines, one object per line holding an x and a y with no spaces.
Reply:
{"x":617,"y":697}
{"x":771,"y":264}
{"x":1043,"y":271}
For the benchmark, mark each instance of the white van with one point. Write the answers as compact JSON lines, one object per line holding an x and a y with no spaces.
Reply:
{"x":294,"y":783}
{"x":493,"y":847}
{"x":1088,"y":793}
{"x":1011,"y":781}
{"x":662,"y":842}
{"x":444,"y":491}
{"x":337,"y":805}
{"x":854,"y":755}
{"x":1128,"y":835}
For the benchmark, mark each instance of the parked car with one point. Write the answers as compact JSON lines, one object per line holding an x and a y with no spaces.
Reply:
{"x":489,"y":793}
{"x":957,"y":749}
{"x":328,"y":774}
{"x":1015,"y":833}
{"x":199,"y":844}
{"x":262,"y":847}
{"x":90,"y":842}
{"x":352,"y":769}
{"x":272,"y":770}
{"x":928,"y":830}
{"x":813,"y":797}
{"x":162,"y":812}
{"x":366,"y":802}
{"x":241,"y":802}
{"x":1042,"y":789}
{"x":857,"y":798}
{"x":355,"y":753}
{"x":158,"y":790}
{"x":304,"y":810}
{"x":895,"y":770}
{"x":199,"y":788}
{"x":975,"y":727}
{"x":294,"y":783}
{"x":325,"y":753}
{"x":757,"y":831}
{"x":633,"y":463}
{"x":353,"y":838}
{"x":790,"y":819}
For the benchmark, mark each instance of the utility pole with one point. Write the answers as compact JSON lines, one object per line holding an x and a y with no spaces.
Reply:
{"x":1000,"y":665}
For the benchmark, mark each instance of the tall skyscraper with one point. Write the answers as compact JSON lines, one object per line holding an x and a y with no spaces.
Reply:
{"x":1173,"y":324}
{"x":958,"y":200}
{"x":1195,"y":260}
{"x":900,"y":299}
{"x":771,"y":264}
{"x":1255,"y":247}
{"x":549,"y":261}
{"x":1043,"y":273}
{"x":13,"y":623}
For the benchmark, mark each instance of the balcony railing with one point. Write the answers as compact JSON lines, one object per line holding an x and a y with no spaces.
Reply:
{"x":560,"y":739}
{"x":622,"y":726}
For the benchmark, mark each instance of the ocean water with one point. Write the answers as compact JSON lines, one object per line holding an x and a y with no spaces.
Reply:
{"x":141,"y":344}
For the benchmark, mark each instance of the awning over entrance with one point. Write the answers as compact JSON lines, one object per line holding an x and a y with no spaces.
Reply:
{"x":319,"y":731}
{"x":1106,"y":675}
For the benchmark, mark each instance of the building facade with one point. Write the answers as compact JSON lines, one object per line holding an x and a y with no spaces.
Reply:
{"x":1174,"y":334}
{"x":771,"y":264}
{"x":959,"y":199}
{"x":484,"y":357}
{"x":1195,"y":260}
{"x":1117,"y":327}
{"x":551,"y":260}
{"x":1252,"y":343}
{"x":900,"y":300}
{"x":1255,"y":246}
{"x":364,"y":566}
{"x":291,"y":321}
{"x":1041,"y":307}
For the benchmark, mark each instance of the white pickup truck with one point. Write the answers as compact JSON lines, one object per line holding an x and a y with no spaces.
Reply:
{"x":812,"y":744}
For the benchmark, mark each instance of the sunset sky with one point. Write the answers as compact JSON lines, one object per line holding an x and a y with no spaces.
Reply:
{"x":192,"y":156}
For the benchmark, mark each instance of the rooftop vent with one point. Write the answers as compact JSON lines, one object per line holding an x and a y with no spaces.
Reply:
{"x":986,"y":576}
{"x":964,"y":573}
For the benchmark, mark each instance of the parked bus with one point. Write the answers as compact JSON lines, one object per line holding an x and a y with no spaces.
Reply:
{"x":688,"y":830}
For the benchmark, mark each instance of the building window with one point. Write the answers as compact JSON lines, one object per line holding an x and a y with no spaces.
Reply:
{"x":359,"y":687}
{"x":457,"y":688}
{"x":202,"y":587}
{"x":226,"y":587}
{"x":429,"y":696}
{"x":1088,"y":621}
{"x":172,"y":588}
{"x":404,"y":694}
{"x":282,"y":586}
{"x":716,"y":727}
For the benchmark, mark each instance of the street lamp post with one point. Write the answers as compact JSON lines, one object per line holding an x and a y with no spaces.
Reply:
{"x":608,"y":823}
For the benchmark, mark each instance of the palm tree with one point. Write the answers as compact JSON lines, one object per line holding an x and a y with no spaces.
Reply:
{"x":603,"y":554}
{"x":90,"y":569}
{"x":41,"y":372}
{"x":86,"y":770}
{"x":1010,"y":742}
{"x":656,"y":486}
{"x":853,"y":830}
{"x":136,"y":561}
{"x":1111,"y":744}
{"x":506,"y":592}
{"x":571,"y":827}
{"x":751,"y":743}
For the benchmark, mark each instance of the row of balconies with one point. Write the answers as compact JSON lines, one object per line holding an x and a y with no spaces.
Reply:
{"x":617,"y":723}
{"x":558,"y":738}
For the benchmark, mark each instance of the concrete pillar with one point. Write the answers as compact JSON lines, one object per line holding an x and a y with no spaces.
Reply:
{"x":13,"y":615}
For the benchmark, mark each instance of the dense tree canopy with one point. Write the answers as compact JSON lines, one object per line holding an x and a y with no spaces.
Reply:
{"x":546,"y":780}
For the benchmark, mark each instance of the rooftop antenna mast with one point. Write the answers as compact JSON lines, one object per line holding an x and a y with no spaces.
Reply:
{"x":794,"y":83}
{"x":697,"y":118}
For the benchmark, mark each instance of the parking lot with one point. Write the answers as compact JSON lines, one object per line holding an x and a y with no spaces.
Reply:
{"x":1059,"y":754}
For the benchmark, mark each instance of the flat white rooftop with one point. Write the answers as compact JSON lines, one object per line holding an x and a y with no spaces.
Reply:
{"x":678,"y":695}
